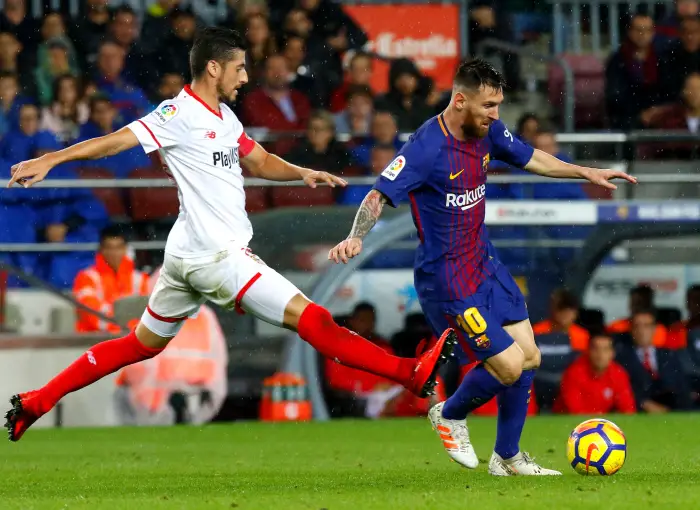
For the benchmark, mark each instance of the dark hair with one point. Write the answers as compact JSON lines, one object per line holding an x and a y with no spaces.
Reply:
{"x":564,"y":299}
{"x":123,"y":9}
{"x":385,"y":111}
{"x":59,"y":79}
{"x":291,"y":37}
{"x":638,"y":14}
{"x":693,"y":289}
{"x":110,"y":232}
{"x":363,"y":306}
{"x":324,"y":116}
{"x":98,"y":98}
{"x":359,"y":90}
{"x":214,"y":43}
{"x":546,"y":128}
{"x":643,"y":291}
{"x":600,"y":333}
{"x":524,"y":118}
{"x":477,"y":73}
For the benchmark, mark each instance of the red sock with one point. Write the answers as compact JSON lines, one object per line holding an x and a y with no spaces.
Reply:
{"x":101,"y":360}
{"x":317,"y":327}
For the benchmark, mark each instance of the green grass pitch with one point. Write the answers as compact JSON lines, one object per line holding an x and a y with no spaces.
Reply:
{"x":392,"y":464}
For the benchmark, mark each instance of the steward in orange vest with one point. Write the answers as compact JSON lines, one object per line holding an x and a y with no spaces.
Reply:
{"x":563,"y":313}
{"x":112,"y":277}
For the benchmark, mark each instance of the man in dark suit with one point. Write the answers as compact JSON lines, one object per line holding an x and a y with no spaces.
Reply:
{"x":656,"y":374}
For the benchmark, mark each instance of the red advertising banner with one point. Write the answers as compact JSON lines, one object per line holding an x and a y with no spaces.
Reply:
{"x":427,"y":34}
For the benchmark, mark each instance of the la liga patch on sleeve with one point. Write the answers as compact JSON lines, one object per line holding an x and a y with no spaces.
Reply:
{"x":166,"y":112}
{"x":392,"y":171}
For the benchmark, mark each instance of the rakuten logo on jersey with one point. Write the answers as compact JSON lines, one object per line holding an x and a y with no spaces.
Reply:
{"x":226,"y":159}
{"x":466,"y":200}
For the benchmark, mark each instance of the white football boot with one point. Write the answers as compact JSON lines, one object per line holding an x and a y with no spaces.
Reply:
{"x":454,"y":435}
{"x":520,"y":465}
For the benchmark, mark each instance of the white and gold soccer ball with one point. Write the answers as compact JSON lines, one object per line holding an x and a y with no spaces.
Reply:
{"x":597,"y":447}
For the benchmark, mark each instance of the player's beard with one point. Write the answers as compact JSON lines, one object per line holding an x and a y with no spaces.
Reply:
{"x":472,"y":130}
{"x":224,"y":95}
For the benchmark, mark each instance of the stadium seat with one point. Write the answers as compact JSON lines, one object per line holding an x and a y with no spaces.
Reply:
{"x":148,"y":204}
{"x":112,"y":198}
{"x":353,"y":171}
{"x":595,"y":192}
{"x":300,"y":196}
{"x":62,"y":321}
{"x":257,"y":199}
{"x":589,"y":89}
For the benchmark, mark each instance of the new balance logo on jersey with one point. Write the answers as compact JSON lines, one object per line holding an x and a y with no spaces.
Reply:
{"x":210,"y":134}
{"x":226,"y":159}
{"x":466,"y":200}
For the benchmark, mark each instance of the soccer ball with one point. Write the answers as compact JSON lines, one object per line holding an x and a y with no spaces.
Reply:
{"x":597,"y":447}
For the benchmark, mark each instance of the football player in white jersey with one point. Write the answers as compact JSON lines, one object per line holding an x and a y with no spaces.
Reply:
{"x":207,"y":258}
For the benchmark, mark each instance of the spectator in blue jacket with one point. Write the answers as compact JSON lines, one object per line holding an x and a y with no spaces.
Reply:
{"x":129,"y":100}
{"x":384,"y":131}
{"x":102,"y":122}
{"x":16,"y":145}
{"x":17,"y":225}
{"x":66,"y":215}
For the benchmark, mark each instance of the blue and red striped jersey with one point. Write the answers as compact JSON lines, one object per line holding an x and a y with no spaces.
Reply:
{"x":444,"y":179}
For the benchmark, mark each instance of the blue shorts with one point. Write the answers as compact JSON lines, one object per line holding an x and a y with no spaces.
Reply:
{"x":479,"y":319}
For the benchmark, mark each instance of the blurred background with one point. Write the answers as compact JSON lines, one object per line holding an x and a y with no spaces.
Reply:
{"x":612,"y":278}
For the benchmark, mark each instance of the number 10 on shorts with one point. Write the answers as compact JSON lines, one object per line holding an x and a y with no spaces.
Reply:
{"x":472,"y":322}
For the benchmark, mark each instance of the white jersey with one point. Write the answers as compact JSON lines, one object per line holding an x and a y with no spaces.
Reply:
{"x":201,"y":149}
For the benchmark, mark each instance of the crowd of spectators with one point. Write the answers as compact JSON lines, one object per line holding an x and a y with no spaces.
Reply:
{"x":653,"y":78}
{"x":65,"y":79}
{"x":647,"y":363}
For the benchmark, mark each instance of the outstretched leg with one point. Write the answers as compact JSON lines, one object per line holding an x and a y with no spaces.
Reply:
{"x":316,"y":326}
{"x":97,"y":362}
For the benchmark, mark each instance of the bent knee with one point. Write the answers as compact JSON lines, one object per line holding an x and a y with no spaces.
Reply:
{"x":508,"y":365}
{"x":510,"y":374}
{"x":532,"y":359}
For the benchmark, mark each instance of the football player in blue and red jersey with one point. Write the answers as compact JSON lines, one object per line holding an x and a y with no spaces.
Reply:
{"x":441,"y":171}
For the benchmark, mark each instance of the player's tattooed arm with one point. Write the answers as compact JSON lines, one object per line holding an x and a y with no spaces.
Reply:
{"x":366,"y":217}
{"x":368,"y":214}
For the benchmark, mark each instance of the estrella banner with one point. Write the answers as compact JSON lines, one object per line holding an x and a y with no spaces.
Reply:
{"x":427,"y":34}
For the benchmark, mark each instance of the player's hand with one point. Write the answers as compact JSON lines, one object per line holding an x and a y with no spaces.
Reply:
{"x":604,"y":176}
{"x":28,"y":173}
{"x":345,"y":250}
{"x":312,"y":177}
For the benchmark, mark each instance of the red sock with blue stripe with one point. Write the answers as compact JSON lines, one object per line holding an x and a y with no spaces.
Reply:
{"x":513,"y":404}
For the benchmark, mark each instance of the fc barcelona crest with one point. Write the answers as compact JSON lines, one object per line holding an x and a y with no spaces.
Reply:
{"x":483,"y":342}
{"x":485,"y":162}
